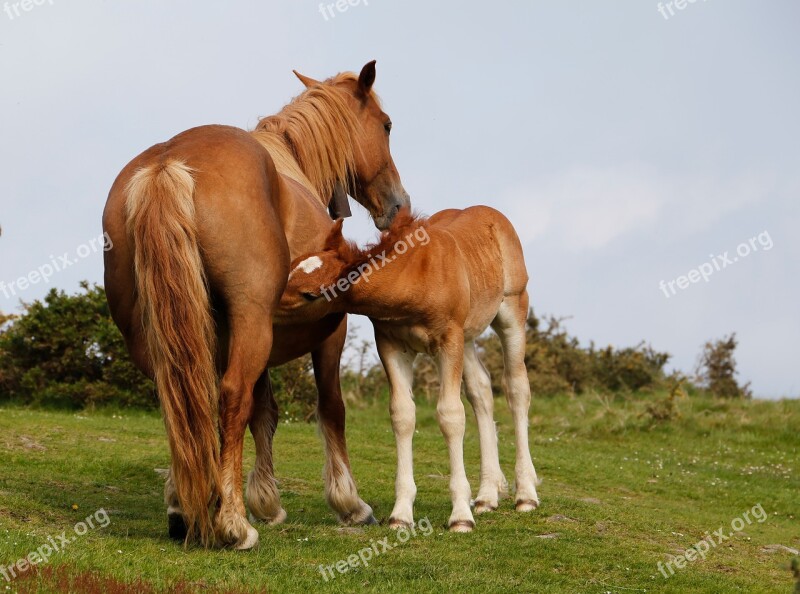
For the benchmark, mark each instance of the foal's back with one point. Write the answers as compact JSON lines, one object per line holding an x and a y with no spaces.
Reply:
{"x":489,"y":244}
{"x":489,"y":253}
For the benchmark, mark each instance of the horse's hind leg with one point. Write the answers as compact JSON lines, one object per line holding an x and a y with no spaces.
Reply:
{"x":340,"y":488}
{"x":176,"y":524}
{"x":510,"y":327}
{"x":478,"y":387}
{"x":249,"y":348}
{"x":263,"y":499}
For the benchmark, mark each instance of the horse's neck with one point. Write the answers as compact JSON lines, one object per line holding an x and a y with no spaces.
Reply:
{"x":285,"y":162}
{"x":305,"y":220}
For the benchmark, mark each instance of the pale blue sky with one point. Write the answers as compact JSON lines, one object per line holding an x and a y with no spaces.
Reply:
{"x":626,"y":148}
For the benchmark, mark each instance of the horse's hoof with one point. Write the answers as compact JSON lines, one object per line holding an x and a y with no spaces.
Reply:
{"x":360,"y":517}
{"x":527,"y":505}
{"x":462,"y":526}
{"x":396,"y":524}
{"x":279,"y":518}
{"x":482,"y":507}
{"x":250,"y":541}
{"x":177,"y":527}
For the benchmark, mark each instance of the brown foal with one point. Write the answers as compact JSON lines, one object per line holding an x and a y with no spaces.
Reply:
{"x":433,"y":286}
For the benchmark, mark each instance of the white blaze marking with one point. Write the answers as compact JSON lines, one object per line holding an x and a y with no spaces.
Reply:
{"x":308,"y":265}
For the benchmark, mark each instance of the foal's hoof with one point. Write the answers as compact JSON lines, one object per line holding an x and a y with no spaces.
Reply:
{"x":462,"y":526}
{"x":527,"y":505}
{"x":396,"y":524}
{"x":250,"y":541}
{"x":177,"y":527}
{"x":482,"y":507}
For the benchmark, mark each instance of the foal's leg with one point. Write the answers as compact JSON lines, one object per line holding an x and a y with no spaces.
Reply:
{"x":510,"y":326}
{"x":263,"y":498}
{"x":340,"y":488}
{"x":478,"y":387}
{"x":450,"y":412}
{"x":249,"y":348}
{"x":399,"y":369}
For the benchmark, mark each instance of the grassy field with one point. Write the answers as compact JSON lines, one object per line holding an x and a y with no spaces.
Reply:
{"x":620,"y":493}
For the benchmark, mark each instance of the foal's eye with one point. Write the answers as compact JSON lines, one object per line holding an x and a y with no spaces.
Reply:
{"x":388,"y":127}
{"x":309,"y":296}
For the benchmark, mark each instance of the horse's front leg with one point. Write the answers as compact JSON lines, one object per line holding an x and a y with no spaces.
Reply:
{"x":452,"y":421}
{"x":340,"y":488}
{"x":399,"y":366}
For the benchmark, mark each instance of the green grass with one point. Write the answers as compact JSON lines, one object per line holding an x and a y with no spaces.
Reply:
{"x":619,"y":494}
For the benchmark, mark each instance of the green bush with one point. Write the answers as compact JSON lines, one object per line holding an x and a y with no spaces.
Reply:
{"x":557,"y":363}
{"x":716,"y":369}
{"x":295,"y":390}
{"x":66,"y":352}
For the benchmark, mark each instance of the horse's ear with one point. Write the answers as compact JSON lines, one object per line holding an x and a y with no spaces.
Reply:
{"x":306,"y":80}
{"x":367,"y":78}
{"x":335,"y":238}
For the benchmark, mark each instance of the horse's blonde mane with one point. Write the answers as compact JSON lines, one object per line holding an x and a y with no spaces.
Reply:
{"x":312,"y":139}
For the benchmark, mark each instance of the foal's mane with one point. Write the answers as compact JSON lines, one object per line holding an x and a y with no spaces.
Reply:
{"x":404,"y":224}
{"x":312,"y":139}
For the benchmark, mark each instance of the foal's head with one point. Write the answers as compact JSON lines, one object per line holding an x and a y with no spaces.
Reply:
{"x":311,"y":292}
{"x":373,"y":179}
{"x":333,"y":280}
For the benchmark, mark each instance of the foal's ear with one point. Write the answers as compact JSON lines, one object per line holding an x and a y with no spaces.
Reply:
{"x":335,"y":238}
{"x":367,"y":78}
{"x":306,"y":80}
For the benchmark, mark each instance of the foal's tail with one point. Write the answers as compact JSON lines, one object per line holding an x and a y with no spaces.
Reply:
{"x":179,"y":330}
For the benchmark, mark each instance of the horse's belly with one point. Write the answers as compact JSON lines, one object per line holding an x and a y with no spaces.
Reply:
{"x":291,"y":342}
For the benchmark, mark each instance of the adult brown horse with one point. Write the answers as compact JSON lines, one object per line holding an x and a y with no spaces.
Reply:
{"x":204,"y":227}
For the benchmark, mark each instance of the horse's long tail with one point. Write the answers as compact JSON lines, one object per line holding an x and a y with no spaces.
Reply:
{"x":179,"y":331}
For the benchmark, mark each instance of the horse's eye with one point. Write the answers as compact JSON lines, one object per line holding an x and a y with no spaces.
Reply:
{"x":310,"y":296}
{"x":388,"y":127}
